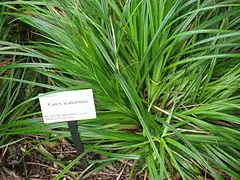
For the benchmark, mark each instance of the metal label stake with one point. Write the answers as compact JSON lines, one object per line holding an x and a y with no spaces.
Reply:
{"x":72,"y":105}
{"x":73,"y":127}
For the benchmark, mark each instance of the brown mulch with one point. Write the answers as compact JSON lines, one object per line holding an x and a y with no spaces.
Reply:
{"x":25,"y":160}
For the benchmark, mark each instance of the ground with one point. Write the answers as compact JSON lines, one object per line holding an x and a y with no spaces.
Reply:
{"x":25,"y":160}
{"x":29,"y":159}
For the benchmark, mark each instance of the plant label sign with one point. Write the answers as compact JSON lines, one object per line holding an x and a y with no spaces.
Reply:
{"x":67,"y":106}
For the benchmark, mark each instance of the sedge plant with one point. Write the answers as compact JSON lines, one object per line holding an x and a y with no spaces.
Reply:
{"x":12,"y":92}
{"x":165,"y":76}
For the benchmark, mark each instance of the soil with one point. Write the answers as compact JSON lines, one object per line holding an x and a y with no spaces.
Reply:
{"x":31,"y":160}
{"x":27,"y":160}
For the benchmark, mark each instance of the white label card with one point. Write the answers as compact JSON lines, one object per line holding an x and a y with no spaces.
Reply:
{"x":67,"y":106}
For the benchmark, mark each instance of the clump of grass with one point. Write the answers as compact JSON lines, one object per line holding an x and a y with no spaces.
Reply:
{"x":165,"y":76}
{"x":13,"y":90}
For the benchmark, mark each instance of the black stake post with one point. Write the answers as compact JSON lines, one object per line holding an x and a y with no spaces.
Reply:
{"x":73,"y":127}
